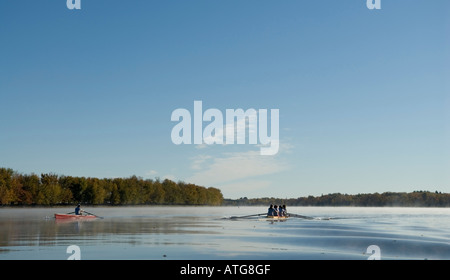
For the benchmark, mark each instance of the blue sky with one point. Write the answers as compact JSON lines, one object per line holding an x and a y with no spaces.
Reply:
{"x":363,"y":94}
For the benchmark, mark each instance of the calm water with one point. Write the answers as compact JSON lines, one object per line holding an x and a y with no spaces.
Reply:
{"x":184,"y":233}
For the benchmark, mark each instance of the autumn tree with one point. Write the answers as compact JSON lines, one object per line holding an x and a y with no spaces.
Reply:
{"x":51,"y":189}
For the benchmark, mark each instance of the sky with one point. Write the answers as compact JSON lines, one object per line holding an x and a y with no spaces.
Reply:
{"x":363,"y":95}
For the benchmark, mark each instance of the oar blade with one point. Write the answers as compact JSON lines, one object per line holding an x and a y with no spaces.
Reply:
{"x":300,"y":216}
{"x":92,"y":214}
{"x":247,"y":216}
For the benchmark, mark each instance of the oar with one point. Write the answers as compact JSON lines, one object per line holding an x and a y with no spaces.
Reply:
{"x":248,"y":216}
{"x":300,"y":216}
{"x":92,"y":214}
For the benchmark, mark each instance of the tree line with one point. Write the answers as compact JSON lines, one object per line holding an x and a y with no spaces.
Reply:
{"x":52,"y":189}
{"x":392,"y":199}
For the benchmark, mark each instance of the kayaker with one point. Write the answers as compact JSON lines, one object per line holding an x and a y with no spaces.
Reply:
{"x":78,"y":210}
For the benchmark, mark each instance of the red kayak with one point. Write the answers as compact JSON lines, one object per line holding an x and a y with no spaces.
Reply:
{"x":73,"y":216}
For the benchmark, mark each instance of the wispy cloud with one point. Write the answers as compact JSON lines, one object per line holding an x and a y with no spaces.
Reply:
{"x":235,"y":171}
{"x":240,"y":130}
{"x":199,"y":161}
{"x":151,"y":173}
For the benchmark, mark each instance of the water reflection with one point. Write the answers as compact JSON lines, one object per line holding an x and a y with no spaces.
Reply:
{"x":202,"y":233}
{"x":23,"y":230}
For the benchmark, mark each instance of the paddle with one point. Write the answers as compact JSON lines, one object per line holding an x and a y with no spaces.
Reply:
{"x":248,"y":216}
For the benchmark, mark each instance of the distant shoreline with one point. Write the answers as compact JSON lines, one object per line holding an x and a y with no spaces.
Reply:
{"x":418,"y":199}
{"x":52,"y":190}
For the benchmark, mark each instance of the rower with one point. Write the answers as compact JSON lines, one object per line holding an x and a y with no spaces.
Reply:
{"x":271,"y":211}
{"x":282,"y":211}
{"x":78,"y":210}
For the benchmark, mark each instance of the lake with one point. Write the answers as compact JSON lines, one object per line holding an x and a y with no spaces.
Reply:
{"x":208,"y":233}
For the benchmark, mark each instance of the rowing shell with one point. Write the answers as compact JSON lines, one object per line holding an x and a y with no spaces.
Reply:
{"x":274,"y":218}
{"x":72,"y":216}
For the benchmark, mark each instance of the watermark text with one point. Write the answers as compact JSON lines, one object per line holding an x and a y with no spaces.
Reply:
{"x":233,"y":130}
{"x":373,"y":4}
{"x":74,"y":4}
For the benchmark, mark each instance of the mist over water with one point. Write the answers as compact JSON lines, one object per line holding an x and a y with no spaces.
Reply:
{"x":184,"y":233}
